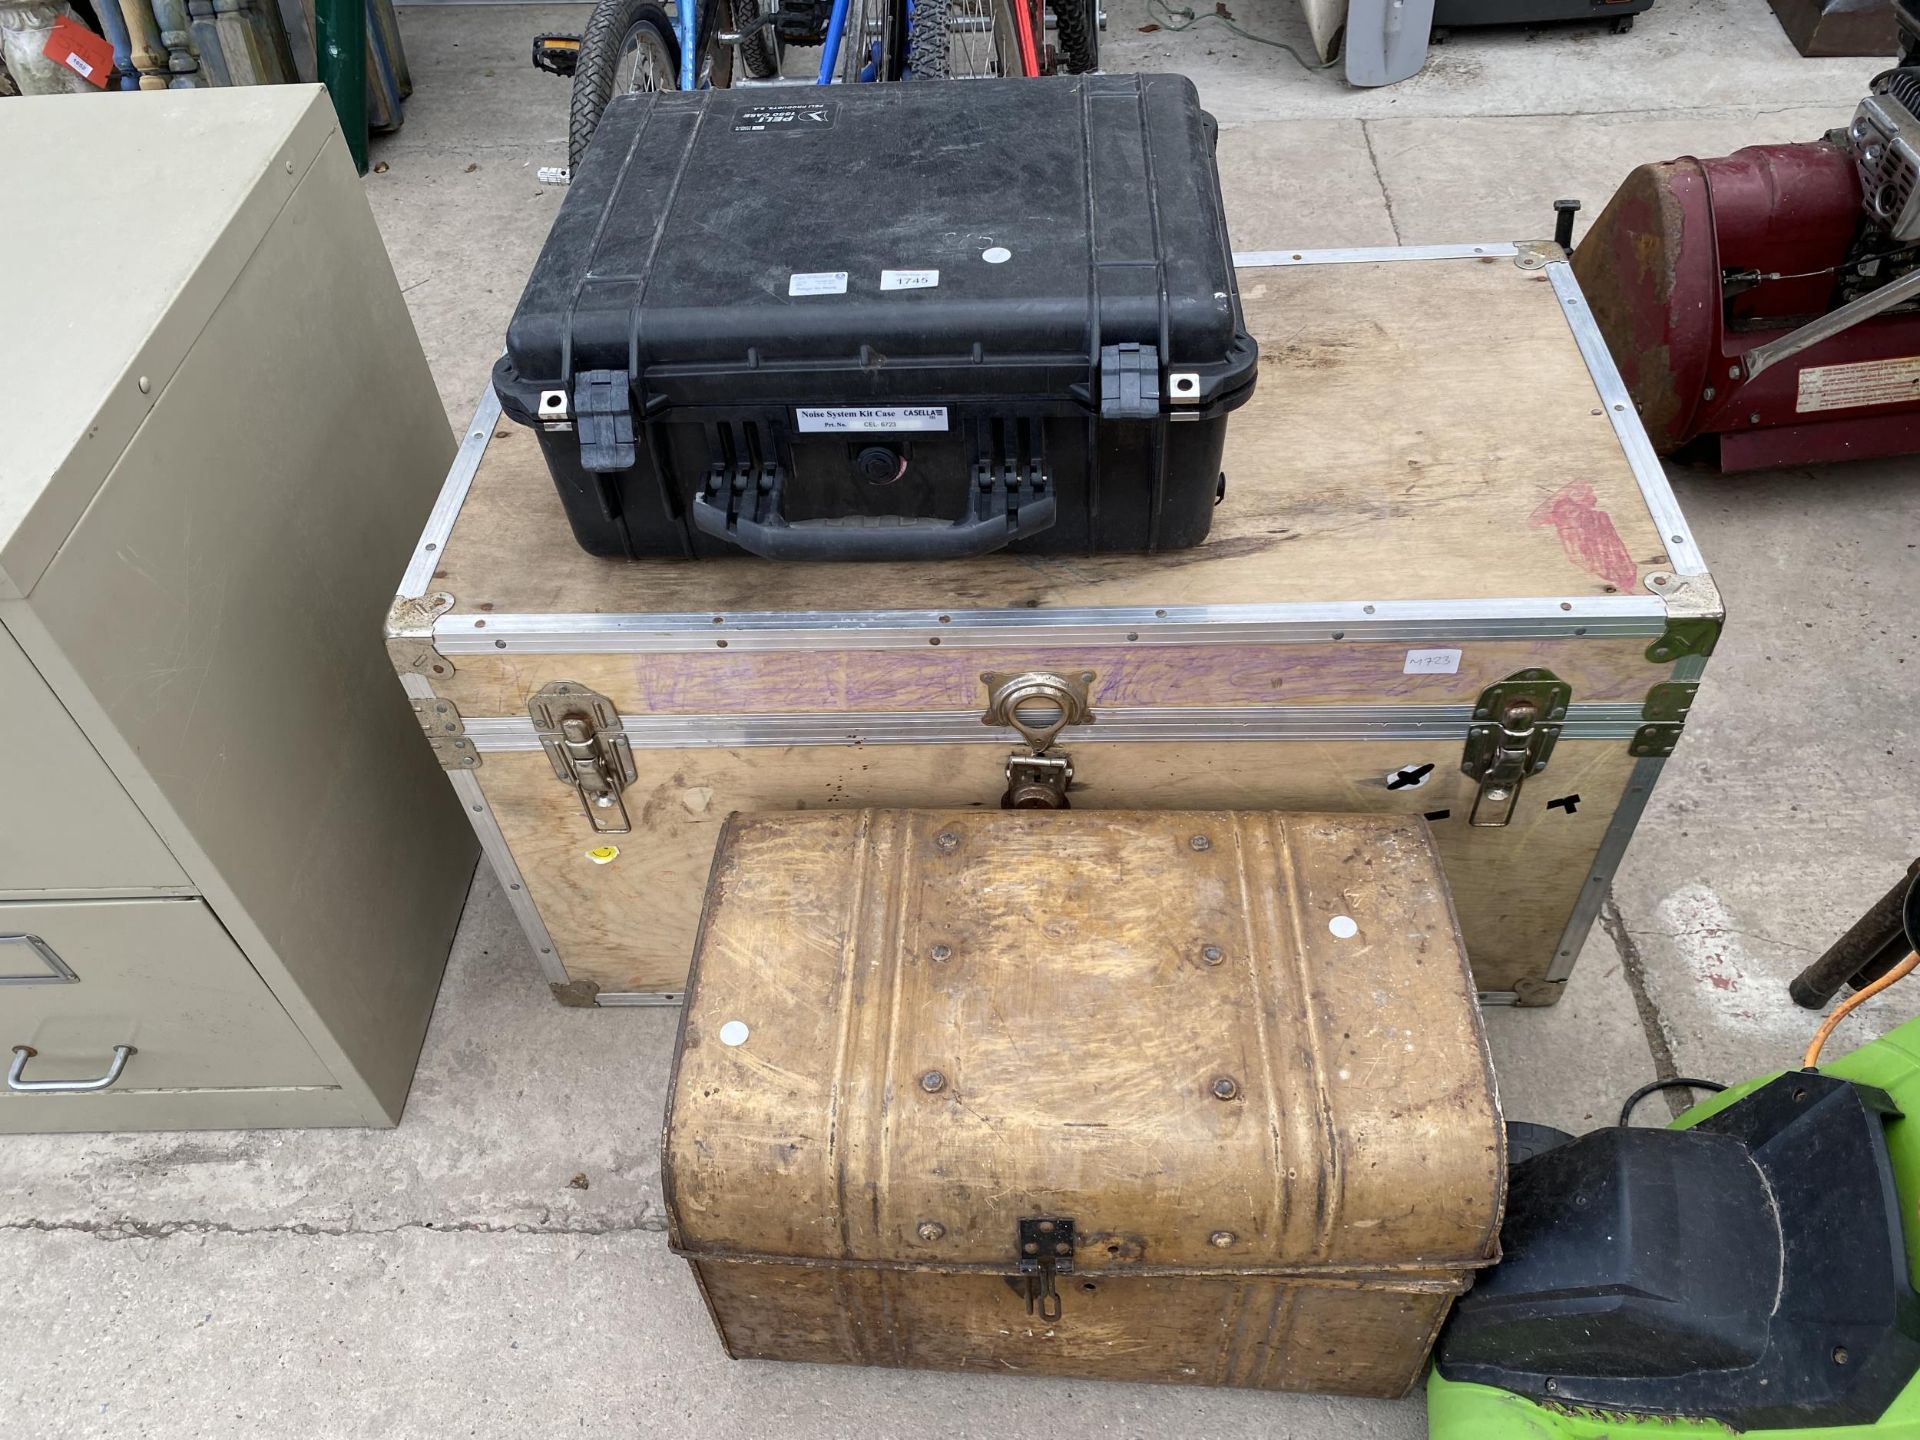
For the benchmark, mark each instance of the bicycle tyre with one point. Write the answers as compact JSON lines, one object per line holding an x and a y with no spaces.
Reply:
{"x":1077,"y":27}
{"x":927,"y":41}
{"x":614,"y":24}
{"x":868,"y":39}
{"x":759,"y":56}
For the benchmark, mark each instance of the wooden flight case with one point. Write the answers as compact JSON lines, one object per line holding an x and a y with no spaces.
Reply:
{"x":1448,"y":579}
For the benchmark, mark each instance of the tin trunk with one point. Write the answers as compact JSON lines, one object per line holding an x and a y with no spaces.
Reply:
{"x":1151,"y":1095}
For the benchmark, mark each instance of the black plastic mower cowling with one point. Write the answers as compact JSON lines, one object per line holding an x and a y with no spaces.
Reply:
{"x":1750,"y":1270}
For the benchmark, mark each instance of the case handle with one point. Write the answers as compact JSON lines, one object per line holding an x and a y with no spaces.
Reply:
{"x":747,"y":511}
{"x":24,"y":1053}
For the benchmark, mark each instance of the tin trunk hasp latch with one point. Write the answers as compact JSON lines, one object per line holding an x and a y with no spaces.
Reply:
{"x":1516,"y":723}
{"x":1046,"y":1252}
{"x":582,"y":735}
{"x":1039,"y":704}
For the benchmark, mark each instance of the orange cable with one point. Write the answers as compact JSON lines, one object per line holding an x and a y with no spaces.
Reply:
{"x":1852,"y":1003}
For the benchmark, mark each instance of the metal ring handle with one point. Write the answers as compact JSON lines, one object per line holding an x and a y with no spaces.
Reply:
{"x":1053,"y":708}
{"x":24,"y":1053}
{"x":1059,"y":701}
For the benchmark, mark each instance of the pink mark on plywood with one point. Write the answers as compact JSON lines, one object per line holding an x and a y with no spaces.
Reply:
{"x":1587,"y":534}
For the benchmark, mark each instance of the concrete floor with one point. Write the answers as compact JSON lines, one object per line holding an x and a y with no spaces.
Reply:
{"x":496,"y":1267}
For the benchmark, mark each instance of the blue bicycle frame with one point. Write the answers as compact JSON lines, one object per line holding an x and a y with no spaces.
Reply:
{"x":686,"y":29}
{"x":836,"y":36}
{"x":836,"y":33}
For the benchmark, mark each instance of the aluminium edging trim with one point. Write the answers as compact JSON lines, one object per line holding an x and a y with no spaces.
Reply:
{"x":1606,"y":863}
{"x":494,"y":844}
{"x":1682,"y":550}
{"x":1549,"y":617}
{"x":633,"y":999}
{"x":1448,"y":723}
{"x":453,"y":495}
{"x":1372,"y":254}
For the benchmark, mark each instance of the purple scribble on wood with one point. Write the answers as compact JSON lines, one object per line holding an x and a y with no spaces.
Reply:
{"x":748,"y":682}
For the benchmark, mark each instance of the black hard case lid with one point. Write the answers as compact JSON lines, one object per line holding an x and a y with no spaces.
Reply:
{"x":1061,"y":215}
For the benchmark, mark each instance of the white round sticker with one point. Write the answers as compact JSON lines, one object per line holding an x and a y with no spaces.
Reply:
{"x":1343,"y":927}
{"x":996,"y":254}
{"x":734,"y":1032}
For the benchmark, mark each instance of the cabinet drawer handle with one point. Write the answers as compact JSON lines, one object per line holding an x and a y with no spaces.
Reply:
{"x":24,"y":1053}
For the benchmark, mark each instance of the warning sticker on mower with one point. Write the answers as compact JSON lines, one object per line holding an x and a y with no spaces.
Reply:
{"x":892,"y":417}
{"x":785,"y":117}
{"x":1871,"y":382}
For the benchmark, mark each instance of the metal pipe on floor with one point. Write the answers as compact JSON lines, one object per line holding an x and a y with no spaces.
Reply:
{"x":1876,"y":942}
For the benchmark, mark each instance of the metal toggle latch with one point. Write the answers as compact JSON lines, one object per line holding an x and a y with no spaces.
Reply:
{"x":1039,"y":704}
{"x":1046,"y":1251}
{"x":580,"y":731}
{"x":1515,"y":725}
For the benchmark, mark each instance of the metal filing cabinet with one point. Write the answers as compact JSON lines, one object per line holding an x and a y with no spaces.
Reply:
{"x":229,"y":869}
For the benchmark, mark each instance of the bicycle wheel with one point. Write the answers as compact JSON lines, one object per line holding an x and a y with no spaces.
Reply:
{"x":867,"y":48}
{"x":760,"y":54}
{"x":1077,"y":28}
{"x":629,"y":47}
{"x":953,"y":40}
{"x":927,"y":41}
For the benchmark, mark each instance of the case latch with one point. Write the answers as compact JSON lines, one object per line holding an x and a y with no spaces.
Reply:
{"x":1038,"y":782}
{"x":603,"y":414}
{"x":580,"y":731}
{"x":1515,"y":726}
{"x":1129,"y":382}
{"x":1046,"y":1251}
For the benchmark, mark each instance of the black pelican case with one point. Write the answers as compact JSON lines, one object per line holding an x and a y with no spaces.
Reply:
{"x":888,"y":322}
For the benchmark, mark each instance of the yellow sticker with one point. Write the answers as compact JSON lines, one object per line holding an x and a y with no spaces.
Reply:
{"x":604,"y":854}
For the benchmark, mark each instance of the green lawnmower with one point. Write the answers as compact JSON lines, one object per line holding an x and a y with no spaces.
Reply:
{"x":1750,"y":1270}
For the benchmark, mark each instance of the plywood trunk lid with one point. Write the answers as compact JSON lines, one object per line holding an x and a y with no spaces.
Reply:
{"x":1161,"y":1025}
{"x":1492,"y":471}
